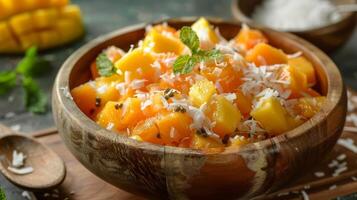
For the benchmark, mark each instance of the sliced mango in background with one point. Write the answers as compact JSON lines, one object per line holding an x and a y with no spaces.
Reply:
{"x":44,"y":23}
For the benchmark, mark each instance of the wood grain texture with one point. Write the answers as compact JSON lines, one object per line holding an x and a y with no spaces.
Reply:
{"x":328,"y":38}
{"x":168,"y":172}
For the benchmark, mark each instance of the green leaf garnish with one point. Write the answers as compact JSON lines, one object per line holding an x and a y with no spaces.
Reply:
{"x":35,"y":98}
{"x":32,"y":65}
{"x":189,"y":38}
{"x":7,"y":81}
{"x":184,"y":64}
{"x":2,"y":195}
{"x":104,"y":65}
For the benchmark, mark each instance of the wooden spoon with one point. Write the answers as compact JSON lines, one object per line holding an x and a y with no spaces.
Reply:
{"x":48,"y":168}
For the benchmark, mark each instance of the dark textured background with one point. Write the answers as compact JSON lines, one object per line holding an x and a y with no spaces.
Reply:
{"x":103,"y":16}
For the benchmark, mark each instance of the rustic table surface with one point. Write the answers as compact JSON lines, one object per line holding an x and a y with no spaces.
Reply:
{"x":104,"y":16}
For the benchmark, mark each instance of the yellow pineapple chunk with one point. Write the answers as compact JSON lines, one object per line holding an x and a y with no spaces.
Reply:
{"x":22,"y":23}
{"x":161,"y":43}
{"x":226,"y":117}
{"x":200,"y":142}
{"x":135,"y":60}
{"x":201,"y":92}
{"x":271,"y":115}
{"x":304,"y":66}
{"x":45,"y":18}
{"x":206,"y":34}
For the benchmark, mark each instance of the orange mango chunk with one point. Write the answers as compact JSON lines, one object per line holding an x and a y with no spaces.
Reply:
{"x":296,"y":79}
{"x":264,"y":54}
{"x":148,"y":131}
{"x":174,"y":128}
{"x":132,"y":113}
{"x":91,"y":97}
{"x":244,"y":103}
{"x":247,"y":38}
{"x":309,"y":106}
{"x":110,"y":116}
{"x":304,"y":66}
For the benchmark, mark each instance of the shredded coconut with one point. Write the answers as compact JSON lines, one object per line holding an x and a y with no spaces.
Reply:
{"x":347,"y":143}
{"x":20,"y":171}
{"x":319,"y":174}
{"x":296,"y":15}
{"x":305,"y":196}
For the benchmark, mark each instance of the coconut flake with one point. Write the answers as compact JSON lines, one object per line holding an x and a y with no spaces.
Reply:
{"x":230,"y":96}
{"x":110,"y":126}
{"x":137,"y":83}
{"x":21,"y":171}
{"x":294,"y":55}
{"x":26,"y":195}
{"x":102,"y":89}
{"x":121,"y":88}
{"x":305,"y":196}
{"x":66,"y":93}
{"x":348,"y":144}
{"x":18,"y":159}
{"x":319,"y":174}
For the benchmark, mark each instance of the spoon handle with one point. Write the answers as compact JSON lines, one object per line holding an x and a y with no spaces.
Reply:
{"x":4,"y":130}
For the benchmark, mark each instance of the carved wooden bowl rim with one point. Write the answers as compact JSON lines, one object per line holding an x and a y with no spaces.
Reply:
{"x":335,"y":91}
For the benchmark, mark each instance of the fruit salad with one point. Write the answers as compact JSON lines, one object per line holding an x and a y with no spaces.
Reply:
{"x":41,"y":23}
{"x":193,"y":88}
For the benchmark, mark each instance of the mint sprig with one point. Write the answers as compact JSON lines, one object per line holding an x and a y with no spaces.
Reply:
{"x":105,"y":67}
{"x":2,"y":195}
{"x":30,"y":66}
{"x":184,"y":64}
{"x":35,"y":98}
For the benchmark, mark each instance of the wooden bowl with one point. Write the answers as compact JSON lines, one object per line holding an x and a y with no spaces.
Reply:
{"x":156,"y":171}
{"x":328,"y":38}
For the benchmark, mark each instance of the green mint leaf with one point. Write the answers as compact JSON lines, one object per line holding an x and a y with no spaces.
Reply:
{"x":7,"y":81}
{"x":189,"y":38}
{"x":2,"y":195}
{"x":214,"y":54}
{"x":35,"y":98}
{"x":32,"y":65}
{"x":104,"y":65}
{"x":184,"y":64}
{"x":209,"y":55}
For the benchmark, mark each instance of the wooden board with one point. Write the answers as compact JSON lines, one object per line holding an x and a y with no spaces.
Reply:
{"x":82,"y":185}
